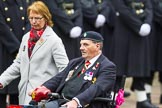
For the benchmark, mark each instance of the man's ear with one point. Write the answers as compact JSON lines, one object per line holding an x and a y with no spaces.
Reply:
{"x":98,"y":45}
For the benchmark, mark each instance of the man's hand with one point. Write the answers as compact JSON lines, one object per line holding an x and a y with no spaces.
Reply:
{"x":71,"y":104}
{"x":1,"y":86}
{"x":40,"y":93}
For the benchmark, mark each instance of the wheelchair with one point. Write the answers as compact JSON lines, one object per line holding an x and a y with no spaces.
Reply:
{"x":109,"y":100}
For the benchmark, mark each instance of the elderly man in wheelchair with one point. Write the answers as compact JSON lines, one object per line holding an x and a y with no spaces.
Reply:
{"x":84,"y":79}
{"x":42,"y":97}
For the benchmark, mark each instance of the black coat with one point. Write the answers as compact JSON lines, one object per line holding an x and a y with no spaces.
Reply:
{"x":108,"y":29}
{"x":104,"y":71}
{"x":90,"y":13}
{"x":13,"y":25}
{"x":156,"y":39}
{"x":131,"y":52}
{"x":63,"y":24}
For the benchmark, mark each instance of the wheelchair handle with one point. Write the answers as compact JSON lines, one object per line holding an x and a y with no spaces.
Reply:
{"x":123,"y":81}
{"x":54,"y":96}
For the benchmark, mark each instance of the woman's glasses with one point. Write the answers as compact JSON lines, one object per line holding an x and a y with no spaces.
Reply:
{"x":35,"y":18}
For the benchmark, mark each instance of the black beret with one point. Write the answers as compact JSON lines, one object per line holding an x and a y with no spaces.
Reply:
{"x":91,"y":35}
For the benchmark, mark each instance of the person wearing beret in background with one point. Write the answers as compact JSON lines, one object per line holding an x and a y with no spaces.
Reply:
{"x":79,"y":82}
{"x":41,"y":54}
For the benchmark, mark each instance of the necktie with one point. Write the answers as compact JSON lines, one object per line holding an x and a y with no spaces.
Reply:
{"x":87,"y":63}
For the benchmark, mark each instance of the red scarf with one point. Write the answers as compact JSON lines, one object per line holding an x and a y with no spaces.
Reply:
{"x":34,"y":37}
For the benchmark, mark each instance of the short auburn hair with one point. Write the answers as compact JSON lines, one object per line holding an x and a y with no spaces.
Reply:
{"x":40,"y":8}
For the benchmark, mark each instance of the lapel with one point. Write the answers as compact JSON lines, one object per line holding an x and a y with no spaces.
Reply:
{"x":73,"y":67}
{"x":92,"y":73}
{"x":74,"y":70}
{"x":40,"y":42}
{"x":94,"y":68}
{"x":80,"y":64}
{"x":24,"y":49}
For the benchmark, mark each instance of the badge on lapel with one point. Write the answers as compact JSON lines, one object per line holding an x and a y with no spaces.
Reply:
{"x":41,"y":40}
{"x":96,"y":66}
{"x":94,"y":80}
{"x":88,"y":75}
{"x":24,"y":47}
{"x":69,"y":75}
{"x":76,"y":67}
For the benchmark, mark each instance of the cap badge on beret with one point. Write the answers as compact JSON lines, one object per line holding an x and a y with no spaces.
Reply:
{"x":91,"y":35}
{"x":85,"y":34}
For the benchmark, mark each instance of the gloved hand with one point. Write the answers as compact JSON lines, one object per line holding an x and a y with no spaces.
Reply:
{"x":100,"y":21}
{"x":75,"y":32}
{"x":40,"y":93}
{"x":145,"y":30}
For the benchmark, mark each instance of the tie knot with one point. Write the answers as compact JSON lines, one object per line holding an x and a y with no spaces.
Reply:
{"x":87,"y":63}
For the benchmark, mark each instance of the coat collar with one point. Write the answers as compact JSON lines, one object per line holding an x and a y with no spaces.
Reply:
{"x":94,"y":67}
{"x":41,"y":41}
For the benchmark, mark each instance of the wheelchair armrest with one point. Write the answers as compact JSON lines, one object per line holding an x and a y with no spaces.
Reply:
{"x":110,"y":103}
{"x":102,"y":99}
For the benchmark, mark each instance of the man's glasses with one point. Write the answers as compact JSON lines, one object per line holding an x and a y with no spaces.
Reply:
{"x":35,"y":18}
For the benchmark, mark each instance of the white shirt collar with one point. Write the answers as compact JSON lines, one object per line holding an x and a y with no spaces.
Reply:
{"x":93,"y":60}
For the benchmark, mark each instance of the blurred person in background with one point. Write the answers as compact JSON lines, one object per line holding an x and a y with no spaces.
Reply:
{"x":131,"y":45}
{"x":156,"y":52}
{"x":67,"y":18}
{"x":98,"y":15}
{"x":13,"y":25}
{"x":41,"y":54}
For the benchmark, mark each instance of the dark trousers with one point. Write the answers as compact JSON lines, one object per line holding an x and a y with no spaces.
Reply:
{"x":13,"y":100}
{"x":150,"y":79}
{"x":138,"y":83}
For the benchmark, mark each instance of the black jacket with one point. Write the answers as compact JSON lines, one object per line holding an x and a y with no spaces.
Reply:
{"x":64,"y":23}
{"x":104,"y":75}
{"x":131,"y":52}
